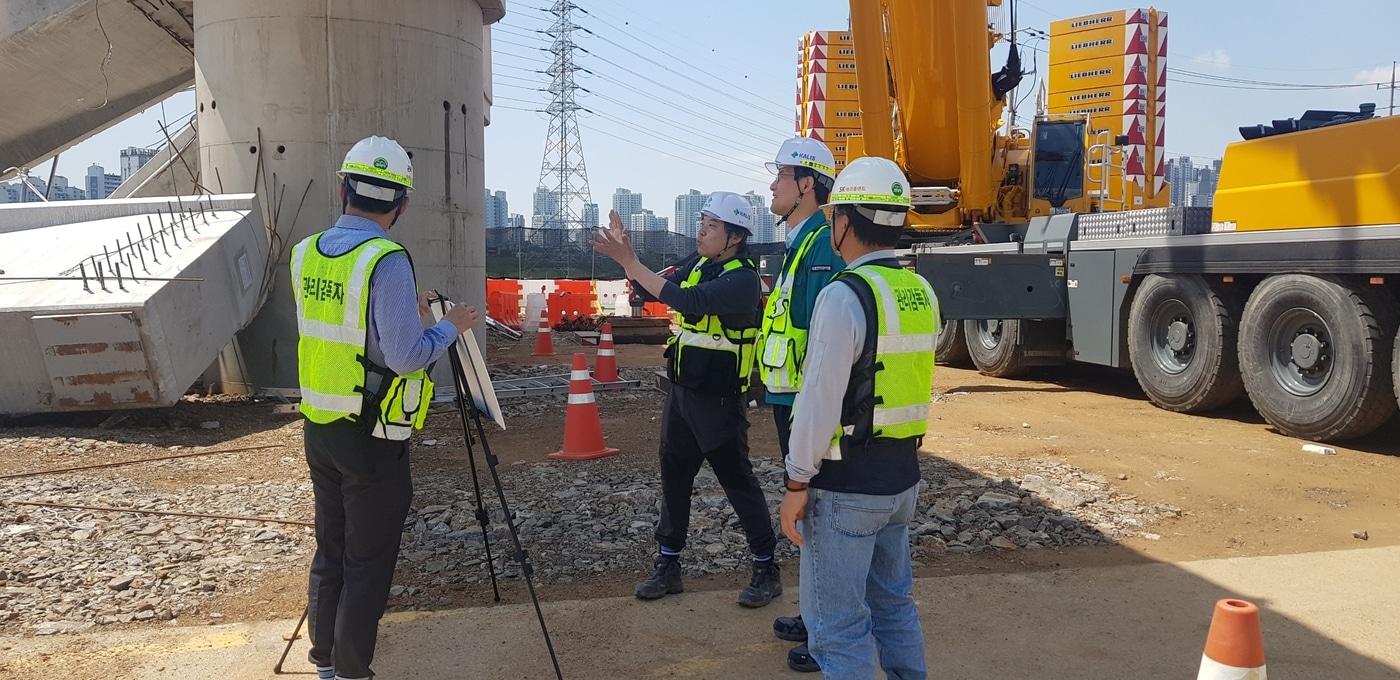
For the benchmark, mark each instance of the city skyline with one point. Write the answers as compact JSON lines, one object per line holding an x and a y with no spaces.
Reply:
{"x":635,"y":216}
{"x":97,"y":183}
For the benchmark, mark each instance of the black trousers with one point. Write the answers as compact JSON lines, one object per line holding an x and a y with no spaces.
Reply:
{"x":782,"y":417}
{"x":363,"y":489}
{"x":695,"y":428}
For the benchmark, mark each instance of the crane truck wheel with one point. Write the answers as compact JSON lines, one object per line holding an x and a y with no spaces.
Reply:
{"x":950,"y":345}
{"x":995,"y":346}
{"x":1316,"y":353}
{"x":1181,"y":341}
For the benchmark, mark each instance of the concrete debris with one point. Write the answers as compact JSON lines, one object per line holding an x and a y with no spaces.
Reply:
{"x":1319,"y":450}
{"x":1361,"y":534}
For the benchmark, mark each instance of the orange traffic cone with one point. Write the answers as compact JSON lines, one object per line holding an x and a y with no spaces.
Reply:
{"x":544,"y":338}
{"x":1234,"y":645}
{"x":583,"y":433}
{"x":607,"y":357}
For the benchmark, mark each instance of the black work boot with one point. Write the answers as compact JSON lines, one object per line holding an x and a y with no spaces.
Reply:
{"x":765,"y":585}
{"x":790,"y":628}
{"x":664,"y":580}
{"x":801,"y":660}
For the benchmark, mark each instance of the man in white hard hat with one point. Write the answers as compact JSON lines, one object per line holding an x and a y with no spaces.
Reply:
{"x":709,"y":364}
{"x":852,"y":469}
{"x":362,"y":355}
{"x":804,"y":171}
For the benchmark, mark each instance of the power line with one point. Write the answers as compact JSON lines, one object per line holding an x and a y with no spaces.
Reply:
{"x":728,"y":126}
{"x":677,"y":124}
{"x":686,"y":95}
{"x":663,"y":137}
{"x":686,"y":62}
{"x":494,"y":64}
{"x":528,"y":58}
{"x":533,"y":81}
{"x":658,"y":30}
{"x":515,"y":99}
{"x":516,"y":44}
{"x":530,"y":34}
{"x":629,"y":140}
{"x":728,"y":95}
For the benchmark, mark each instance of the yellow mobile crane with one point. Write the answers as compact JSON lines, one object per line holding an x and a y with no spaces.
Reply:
{"x":928,"y":103}
{"x":1285,"y":291}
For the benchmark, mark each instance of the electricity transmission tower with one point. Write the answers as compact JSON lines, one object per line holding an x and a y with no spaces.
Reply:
{"x":562,"y":172}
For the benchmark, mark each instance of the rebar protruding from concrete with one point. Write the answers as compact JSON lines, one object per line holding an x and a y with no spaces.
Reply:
{"x":108,"y":257}
{"x":150,"y":242}
{"x":181,"y":202}
{"x":212,"y":212}
{"x":140,"y":252}
{"x":131,"y":247}
{"x":82,"y":269}
{"x":120,"y":283}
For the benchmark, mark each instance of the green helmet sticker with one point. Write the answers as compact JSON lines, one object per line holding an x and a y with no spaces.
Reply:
{"x":897,"y":189}
{"x":381,"y":163}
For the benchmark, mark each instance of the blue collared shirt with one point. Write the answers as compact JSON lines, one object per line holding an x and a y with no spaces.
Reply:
{"x":396,"y":337}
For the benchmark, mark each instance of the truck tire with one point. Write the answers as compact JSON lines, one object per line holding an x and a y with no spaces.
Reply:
{"x":995,"y":346}
{"x":1316,"y":356}
{"x":950,"y":346}
{"x":1182,"y":343}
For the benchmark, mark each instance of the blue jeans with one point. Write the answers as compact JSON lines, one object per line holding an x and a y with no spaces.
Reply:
{"x":857,"y":585}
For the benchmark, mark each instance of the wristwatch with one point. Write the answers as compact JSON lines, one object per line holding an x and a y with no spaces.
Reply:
{"x":794,"y":485}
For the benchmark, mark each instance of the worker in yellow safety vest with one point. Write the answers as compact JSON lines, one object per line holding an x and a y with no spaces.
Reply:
{"x":852,"y":469}
{"x":804,"y":170}
{"x":709,"y":363}
{"x":362,"y":357}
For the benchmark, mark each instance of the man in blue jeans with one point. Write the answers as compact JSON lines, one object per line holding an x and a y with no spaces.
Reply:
{"x":852,"y":464}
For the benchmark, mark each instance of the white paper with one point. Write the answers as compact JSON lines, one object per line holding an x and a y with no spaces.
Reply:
{"x":474,"y":366}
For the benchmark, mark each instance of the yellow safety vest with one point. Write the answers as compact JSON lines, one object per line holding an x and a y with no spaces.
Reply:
{"x":892,"y":381}
{"x":332,"y":297}
{"x":784,"y":344}
{"x":706,"y":355}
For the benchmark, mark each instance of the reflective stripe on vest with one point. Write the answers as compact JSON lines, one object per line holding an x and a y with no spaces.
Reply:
{"x":905,"y":320}
{"x":784,"y":344}
{"x":332,"y":301}
{"x":708,"y":334}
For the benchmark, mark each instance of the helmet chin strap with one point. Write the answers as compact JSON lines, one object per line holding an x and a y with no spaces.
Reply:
{"x":800,"y":194}
{"x":836,"y":242}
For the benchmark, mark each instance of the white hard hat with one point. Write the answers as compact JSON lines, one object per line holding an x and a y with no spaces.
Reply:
{"x":727,"y":206}
{"x":380,"y":158}
{"x":805,"y":152}
{"x":877,"y":187}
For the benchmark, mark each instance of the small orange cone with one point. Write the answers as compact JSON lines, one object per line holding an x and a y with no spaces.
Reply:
{"x":1235,"y":644}
{"x":583,"y":433}
{"x":606,"y":370}
{"x":544,"y":338}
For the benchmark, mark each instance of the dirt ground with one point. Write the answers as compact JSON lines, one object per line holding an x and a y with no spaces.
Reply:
{"x":1244,"y":489}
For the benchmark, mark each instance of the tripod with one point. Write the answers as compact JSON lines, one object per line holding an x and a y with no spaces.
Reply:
{"x":522,"y":557}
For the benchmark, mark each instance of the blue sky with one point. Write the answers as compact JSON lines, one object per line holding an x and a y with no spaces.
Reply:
{"x":718,"y":98}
